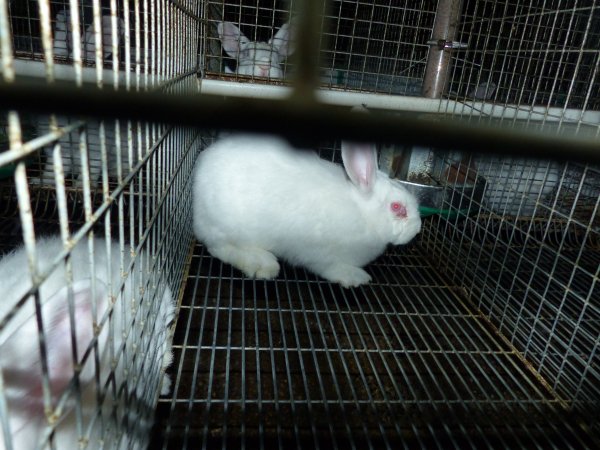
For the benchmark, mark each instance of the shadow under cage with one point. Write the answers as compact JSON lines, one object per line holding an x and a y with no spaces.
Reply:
{"x":481,"y":332}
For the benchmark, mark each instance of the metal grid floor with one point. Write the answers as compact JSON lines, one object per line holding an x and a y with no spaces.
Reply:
{"x":537,"y":282}
{"x":298,"y":362}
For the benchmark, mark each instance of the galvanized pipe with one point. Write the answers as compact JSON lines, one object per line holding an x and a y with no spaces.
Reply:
{"x":438,"y":67}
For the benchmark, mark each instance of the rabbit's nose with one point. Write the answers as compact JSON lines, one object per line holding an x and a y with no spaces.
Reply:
{"x":264,"y":70}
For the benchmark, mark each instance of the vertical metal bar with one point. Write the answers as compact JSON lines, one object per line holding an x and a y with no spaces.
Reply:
{"x":213,"y":351}
{"x":353,"y":352}
{"x":76,"y":33}
{"x":98,"y":32}
{"x":116,"y":32}
{"x":438,"y":67}
{"x":577,"y":69}
{"x":26,"y":217}
{"x":6,"y":442}
{"x":346,"y":371}
{"x":146,"y":31}
{"x":106,"y":146}
{"x":61,"y":197}
{"x":305,"y":381}
{"x":259,"y":390}
{"x":153,"y":43}
{"x":44,"y":11}
{"x":166,"y":31}
{"x":271,"y":354}
{"x":307,"y":48}
{"x":138,"y":43}
{"x":286,"y":350}
{"x":160,"y":41}
{"x":6,"y":48}
{"x":128,"y":43}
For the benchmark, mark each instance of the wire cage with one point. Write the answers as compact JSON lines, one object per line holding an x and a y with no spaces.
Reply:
{"x":481,"y":332}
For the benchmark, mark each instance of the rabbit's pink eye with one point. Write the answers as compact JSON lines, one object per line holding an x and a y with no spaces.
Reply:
{"x":399,"y":209}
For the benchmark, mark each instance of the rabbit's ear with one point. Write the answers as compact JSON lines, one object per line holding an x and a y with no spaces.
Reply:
{"x":232,"y":39}
{"x":282,"y":41}
{"x":59,"y":334}
{"x":360,"y":162}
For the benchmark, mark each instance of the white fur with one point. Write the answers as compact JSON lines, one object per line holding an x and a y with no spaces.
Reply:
{"x":63,"y":37}
{"x":89,"y":39}
{"x":259,"y":59}
{"x":71,"y":155}
{"x":147,"y":351}
{"x":71,"y":152}
{"x":256,"y":199}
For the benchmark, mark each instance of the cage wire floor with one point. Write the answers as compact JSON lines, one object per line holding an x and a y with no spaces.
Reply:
{"x":300,"y":363}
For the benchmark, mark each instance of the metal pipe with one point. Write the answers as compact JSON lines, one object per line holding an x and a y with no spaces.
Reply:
{"x":306,"y":40}
{"x":342,"y":98}
{"x":439,"y":61}
{"x":407,"y":103}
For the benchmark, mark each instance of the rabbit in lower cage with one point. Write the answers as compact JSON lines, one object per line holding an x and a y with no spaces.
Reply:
{"x":256,"y":199}
{"x":71,"y":152}
{"x":146,"y":355}
{"x":261,"y":59}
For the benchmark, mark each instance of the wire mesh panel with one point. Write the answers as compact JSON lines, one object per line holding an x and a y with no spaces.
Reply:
{"x":368,"y":46}
{"x":91,"y":256}
{"x":482,"y":333}
{"x":248,"y":38}
{"x":531,"y":260}
{"x":298,"y":363}
{"x":531,"y":53}
{"x":377,"y":46}
{"x":525,"y":64}
{"x":536,"y":61}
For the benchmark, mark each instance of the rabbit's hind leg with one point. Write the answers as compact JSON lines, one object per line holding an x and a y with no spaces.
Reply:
{"x":253,"y":261}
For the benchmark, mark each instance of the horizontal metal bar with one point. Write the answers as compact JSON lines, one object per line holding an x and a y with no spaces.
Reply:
{"x":338,"y":97}
{"x":67,"y":72}
{"x":311,"y":121}
{"x":32,"y":146}
{"x":405,"y":103}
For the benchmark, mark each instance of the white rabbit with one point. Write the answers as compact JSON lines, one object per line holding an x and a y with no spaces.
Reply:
{"x":89,"y":39}
{"x":63,"y":37}
{"x":256,"y":199}
{"x":71,"y":153}
{"x":261,"y":59}
{"x":144,"y":358}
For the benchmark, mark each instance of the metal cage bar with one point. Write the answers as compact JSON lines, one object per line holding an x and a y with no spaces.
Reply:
{"x":482,"y":333}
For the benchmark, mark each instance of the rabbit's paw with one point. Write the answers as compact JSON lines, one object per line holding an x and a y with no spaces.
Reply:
{"x":165,"y":387}
{"x":254,"y":262}
{"x":268,"y":271}
{"x":348,"y":276}
{"x":258,"y":263}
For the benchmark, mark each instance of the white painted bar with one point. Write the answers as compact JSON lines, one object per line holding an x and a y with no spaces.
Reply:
{"x":404,"y":103}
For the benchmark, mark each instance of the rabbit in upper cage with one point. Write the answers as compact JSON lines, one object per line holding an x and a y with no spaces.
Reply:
{"x":261,"y":59}
{"x":256,"y":199}
{"x":63,"y":37}
{"x":147,"y":352}
{"x":71,"y":156}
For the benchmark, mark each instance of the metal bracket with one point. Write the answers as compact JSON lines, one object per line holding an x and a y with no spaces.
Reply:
{"x":442,"y":44}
